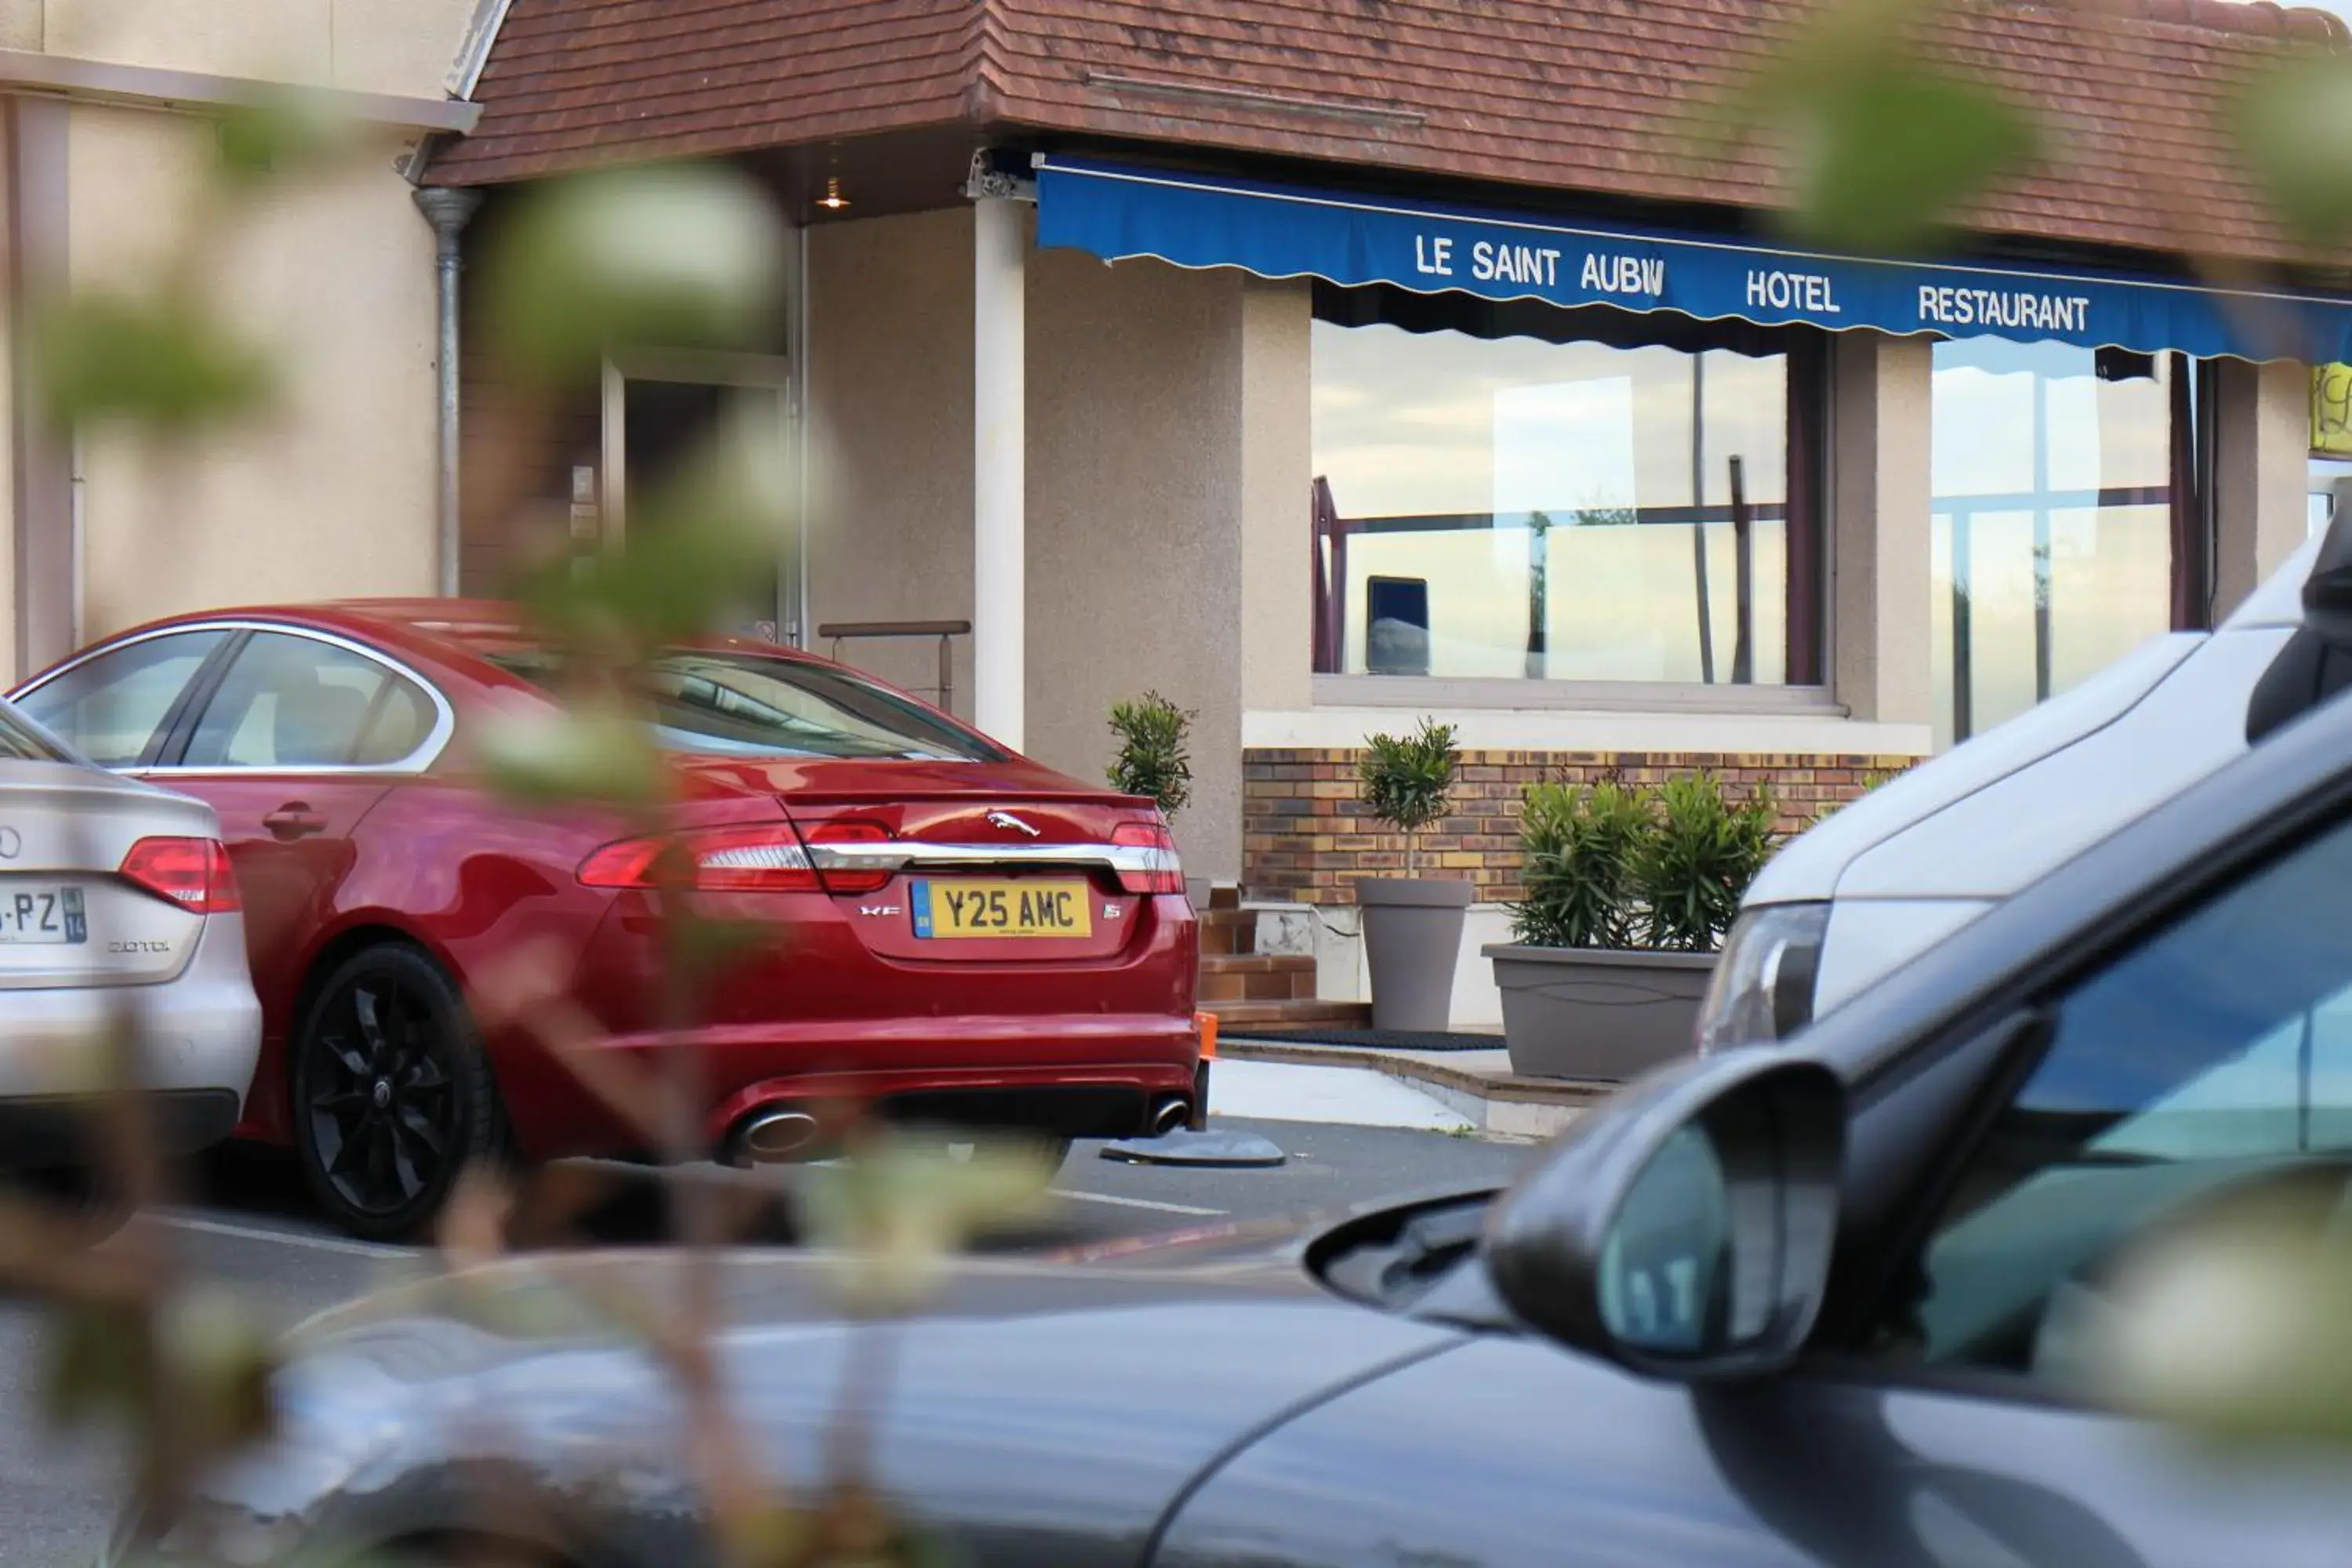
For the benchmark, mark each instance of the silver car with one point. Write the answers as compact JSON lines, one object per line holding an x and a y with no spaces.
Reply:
{"x":114,"y":892}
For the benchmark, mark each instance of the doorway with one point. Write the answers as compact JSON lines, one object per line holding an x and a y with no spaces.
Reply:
{"x":663,"y":412}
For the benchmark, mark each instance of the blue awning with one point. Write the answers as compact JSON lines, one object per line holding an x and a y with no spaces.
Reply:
{"x":1275,"y":231}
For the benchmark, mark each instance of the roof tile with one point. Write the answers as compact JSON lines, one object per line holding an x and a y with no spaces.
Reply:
{"x":1527,"y":92}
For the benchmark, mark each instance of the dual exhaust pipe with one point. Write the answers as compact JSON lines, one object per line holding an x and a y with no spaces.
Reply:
{"x":784,"y":1135}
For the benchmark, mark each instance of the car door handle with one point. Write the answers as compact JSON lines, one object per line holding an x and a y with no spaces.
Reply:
{"x":294,"y":820}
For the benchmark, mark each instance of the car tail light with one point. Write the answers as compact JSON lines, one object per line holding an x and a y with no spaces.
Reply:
{"x":1161,"y":871}
{"x":193,"y":873}
{"x":766,"y":858}
{"x":851,"y":878}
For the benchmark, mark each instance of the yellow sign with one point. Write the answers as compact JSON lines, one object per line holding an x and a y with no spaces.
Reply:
{"x":2331,"y":410}
{"x":1002,"y":908}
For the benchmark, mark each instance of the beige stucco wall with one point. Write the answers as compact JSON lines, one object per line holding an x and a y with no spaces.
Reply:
{"x":891,"y":396}
{"x":2262,"y":473}
{"x":374,"y":46}
{"x":332,"y":493}
{"x":1135,"y":498}
{"x":1879,"y":538}
{"x":1277,"y":615}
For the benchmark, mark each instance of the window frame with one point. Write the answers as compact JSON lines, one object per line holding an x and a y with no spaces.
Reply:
{"x":1808,"y":594}
{"x":159,"y":739}
{"x":170,"y":742}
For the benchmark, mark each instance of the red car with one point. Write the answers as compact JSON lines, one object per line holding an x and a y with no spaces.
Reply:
{"x":955,"y":934}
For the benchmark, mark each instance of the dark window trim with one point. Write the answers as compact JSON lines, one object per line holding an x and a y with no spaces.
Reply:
{"x":1805,"y":350}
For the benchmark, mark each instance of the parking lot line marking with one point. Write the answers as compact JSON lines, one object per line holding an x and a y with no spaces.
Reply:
{"x":289,"y":1237}
{"x":1133,"y":1202}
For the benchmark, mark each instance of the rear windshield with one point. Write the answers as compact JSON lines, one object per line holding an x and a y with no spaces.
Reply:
{"x":22,"y":741}
{"x":741,"y":704}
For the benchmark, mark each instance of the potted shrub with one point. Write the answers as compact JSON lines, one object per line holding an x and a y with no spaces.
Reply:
{"x":1628,"y":896}
{"x":1155,"y":760}
{"x":1413,"y":925}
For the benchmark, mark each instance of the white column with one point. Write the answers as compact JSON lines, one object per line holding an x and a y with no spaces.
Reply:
{"x":999,"y":529}
{"x":2262,"y":468}
{"x":1881,"y":661}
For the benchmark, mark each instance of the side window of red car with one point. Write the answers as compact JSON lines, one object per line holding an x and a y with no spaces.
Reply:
{"x":293,"y":702}
{"x":109,"y":708}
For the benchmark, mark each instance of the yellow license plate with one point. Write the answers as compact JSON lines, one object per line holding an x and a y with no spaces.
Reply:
{"x":1001,"y":909}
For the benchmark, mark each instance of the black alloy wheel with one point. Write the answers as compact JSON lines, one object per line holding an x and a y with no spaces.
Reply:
{"x":392,"y":1098}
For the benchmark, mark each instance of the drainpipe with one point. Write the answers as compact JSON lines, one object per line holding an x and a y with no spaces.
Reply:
{"x":448,"y":211}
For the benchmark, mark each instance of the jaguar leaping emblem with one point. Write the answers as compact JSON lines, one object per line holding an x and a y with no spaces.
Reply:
{"x":1005,"y":819}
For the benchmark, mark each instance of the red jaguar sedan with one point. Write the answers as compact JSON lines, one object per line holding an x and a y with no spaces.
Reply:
{"x":949,"y":934}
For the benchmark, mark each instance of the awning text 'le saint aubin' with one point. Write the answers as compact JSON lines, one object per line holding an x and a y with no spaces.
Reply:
{"x":1115,"y":212}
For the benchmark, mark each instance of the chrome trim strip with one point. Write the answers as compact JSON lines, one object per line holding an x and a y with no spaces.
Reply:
{"x":902,"y":855}
{"x":428,"y":752}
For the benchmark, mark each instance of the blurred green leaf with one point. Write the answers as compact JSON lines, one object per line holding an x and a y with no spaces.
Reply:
{"x":685,"y":255}
{"x":1883,"y":148}
{"x":2236,"y":1324}
{"x":1881,"y":158}
{"x":105,"y":358}
{"x":2295,"y":128}
{"x":902,"y":1204}
{"x":286,"y":131}
{"x":702,"y":545}
{"x":98,"y":1363}
{"x":587,"y":752}
{"x":224,"y":1361}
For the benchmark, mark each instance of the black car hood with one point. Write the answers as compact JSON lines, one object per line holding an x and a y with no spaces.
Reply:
{"x":1030,"y":1400}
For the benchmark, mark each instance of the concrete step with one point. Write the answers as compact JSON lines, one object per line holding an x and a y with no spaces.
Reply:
{"x":1225,"y":932}
{"x":1256,"y":977}
{"x":1296,"y":1013}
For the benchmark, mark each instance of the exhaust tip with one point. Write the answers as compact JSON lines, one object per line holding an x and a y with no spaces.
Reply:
{"x":1172,"y":1115}
{"x":777,"y":1135}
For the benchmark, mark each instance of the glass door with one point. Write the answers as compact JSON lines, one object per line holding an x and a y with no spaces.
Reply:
{"x":666,"y":413}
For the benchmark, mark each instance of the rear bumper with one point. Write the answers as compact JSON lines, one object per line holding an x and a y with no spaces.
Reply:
{"x":1090,"y":1075}
{"x":203,"y":1029}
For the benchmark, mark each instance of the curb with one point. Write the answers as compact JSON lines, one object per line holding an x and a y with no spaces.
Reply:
{"x":1506,"y":1106}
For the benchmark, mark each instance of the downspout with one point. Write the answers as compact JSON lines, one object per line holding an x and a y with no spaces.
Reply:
{"x":447,"y":210}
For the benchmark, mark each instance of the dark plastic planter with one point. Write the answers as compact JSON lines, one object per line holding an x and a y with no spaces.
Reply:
{"x":1412,"y":931}
{"x":1595,"y":1012}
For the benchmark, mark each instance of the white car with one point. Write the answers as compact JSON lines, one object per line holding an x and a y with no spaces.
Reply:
{"x":1890,"y":876}
{"x":116,"y":900}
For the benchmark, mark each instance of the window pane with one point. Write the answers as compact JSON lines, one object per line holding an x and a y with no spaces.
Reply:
{"x":110,"y":708}
{"x":289,"y":702}
{"x":2052,"y":524}
{"x":1511,"y":508}
{"x":2217,"y":1052}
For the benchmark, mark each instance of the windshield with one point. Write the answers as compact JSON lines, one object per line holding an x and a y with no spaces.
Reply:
{"x":748,"y":705}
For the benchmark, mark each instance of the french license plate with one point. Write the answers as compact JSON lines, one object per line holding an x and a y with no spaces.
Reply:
{"x":1001,"y":909}
{"x":42,"y":914}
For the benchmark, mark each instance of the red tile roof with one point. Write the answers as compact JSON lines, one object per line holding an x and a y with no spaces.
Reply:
{"x":1529,"y":93}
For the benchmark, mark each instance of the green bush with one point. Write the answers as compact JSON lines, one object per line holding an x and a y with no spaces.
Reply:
{"x":1663,"y":868}
{"x":1405,"y":780}
{"x":1155,"y":755}
{"x":1579,"y":842}
{"x":1691,"y":872}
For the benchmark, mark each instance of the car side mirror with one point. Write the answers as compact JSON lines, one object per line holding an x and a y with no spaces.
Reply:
{"x":1684,"y":1229}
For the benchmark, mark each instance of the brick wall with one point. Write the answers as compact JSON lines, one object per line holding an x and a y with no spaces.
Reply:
{"x":1306,"y":837}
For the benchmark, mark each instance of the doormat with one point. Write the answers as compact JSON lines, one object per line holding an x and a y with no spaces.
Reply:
{"x":1375,"y":1039}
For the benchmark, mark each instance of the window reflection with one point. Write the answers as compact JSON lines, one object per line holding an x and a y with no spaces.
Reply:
{"x":1515,"y":507}
{"x":2050,"y":543}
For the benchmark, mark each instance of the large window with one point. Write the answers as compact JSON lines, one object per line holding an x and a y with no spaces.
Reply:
{"x":2055,"y":515}
{"x":1550,"y":495}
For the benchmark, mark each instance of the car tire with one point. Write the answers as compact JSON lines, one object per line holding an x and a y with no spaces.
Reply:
{"x":392,"y":1096}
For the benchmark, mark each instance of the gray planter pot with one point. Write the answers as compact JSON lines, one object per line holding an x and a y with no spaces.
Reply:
{"x":1412,"y":930}
{"x":1597,"y":1014}
{"x":1197,"y":888}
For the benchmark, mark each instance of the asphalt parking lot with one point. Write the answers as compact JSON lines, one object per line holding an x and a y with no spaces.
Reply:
{"x":251,"y":1232}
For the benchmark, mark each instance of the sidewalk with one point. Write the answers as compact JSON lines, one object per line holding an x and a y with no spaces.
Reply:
{"x":1472,"y":1092}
